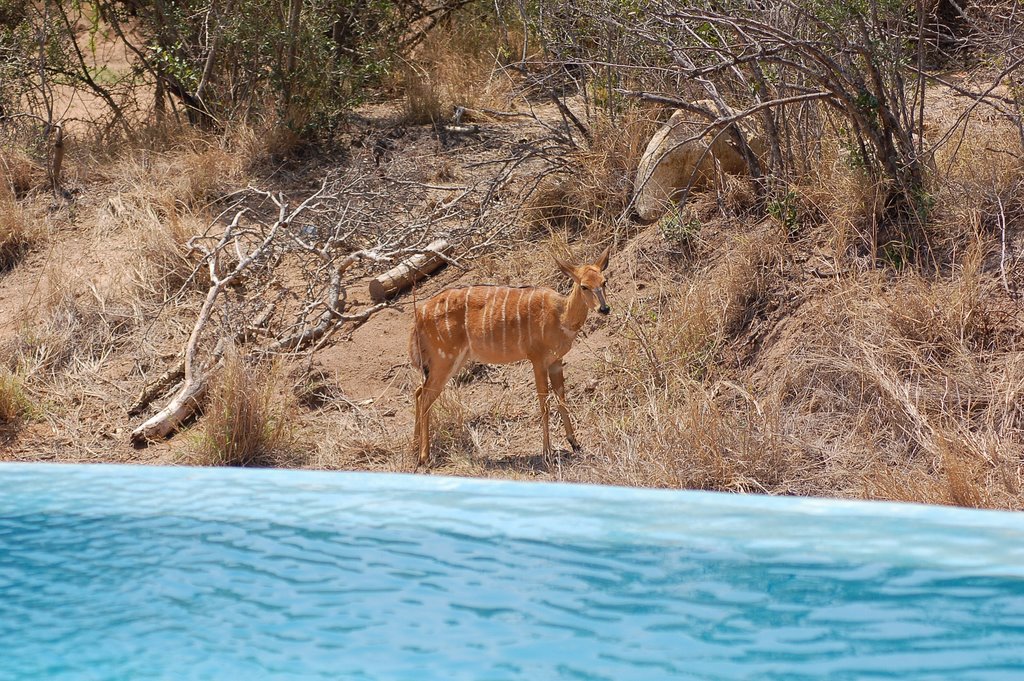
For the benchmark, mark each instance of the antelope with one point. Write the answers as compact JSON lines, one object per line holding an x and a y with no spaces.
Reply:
{"x":501,"y":325}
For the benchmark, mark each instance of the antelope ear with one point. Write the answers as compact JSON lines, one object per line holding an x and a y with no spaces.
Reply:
{"x":566,"y":268}
{"x":602,"y":262}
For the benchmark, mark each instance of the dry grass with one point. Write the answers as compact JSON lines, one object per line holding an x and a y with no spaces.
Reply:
{"x":425,"y":103}
{"x":357,"y":439}
{"x":758,"y":357}
{"x":162,"y":198}
{"x":18,"y":232}
{"x":19,"y":174}
{"x":454,"y":430}
{"x":187,"y":176}
{"x":456,"y":65}
{"x":867,"y":391}
{"x":246,"y":422}
{"x":902,"y":390}
{"x":160,"y":265}
{"x":14,"y":402}
{"x":351,"y":436}
{"x":366,"y":451}
{"x":599,"y":188}
{"x":697,"y":436}
{"x":869,"y":384}
{"x":666,"y":408}
{"x":73,"y":323}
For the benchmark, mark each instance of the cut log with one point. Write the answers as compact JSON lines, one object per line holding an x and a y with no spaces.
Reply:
{"x":410,"y":270}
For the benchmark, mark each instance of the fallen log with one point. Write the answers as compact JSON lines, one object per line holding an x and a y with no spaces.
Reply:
{"x":184,"y":404}
{"x":410,"y":270}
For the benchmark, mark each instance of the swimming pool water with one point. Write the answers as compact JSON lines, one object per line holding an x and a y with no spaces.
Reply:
{"x":111,"y":572}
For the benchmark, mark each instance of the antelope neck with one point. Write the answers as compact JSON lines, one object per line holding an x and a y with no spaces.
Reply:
{"x":575,"y":312}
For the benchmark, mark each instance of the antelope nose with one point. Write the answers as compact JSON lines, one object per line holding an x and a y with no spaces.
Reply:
{"x":604,"y":309}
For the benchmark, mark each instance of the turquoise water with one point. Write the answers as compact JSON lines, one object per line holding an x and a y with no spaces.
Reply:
{"x":175,"y":573}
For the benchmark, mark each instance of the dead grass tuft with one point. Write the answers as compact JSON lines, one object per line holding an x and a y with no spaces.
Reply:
{"x":957,"y":481}
{"x":840,"y":201}
{"x":358,"y":439}
{"x":185,"y":173}
{"x":425,"y":101}
{"x":75,"y":323}
{"x":902,"y":387}
{"x":665,"y":406}
{"x":374,"y":452}
{"x":18,"y":232}
{"x":452,"y":438}
{"x":738,"y":196}
{"x":162,"y":199}
{"x":246,"y":422}
{"x":160,"y":265}
{"x":695,"y":435}
{"x":600,"y":186}
{"x":14,"y":402}
{"x":979,"y":189}
{"x":456,"y":65}
{"x":19,"y":174}
{"x":974,"y":188}
{"x":713,"y":307}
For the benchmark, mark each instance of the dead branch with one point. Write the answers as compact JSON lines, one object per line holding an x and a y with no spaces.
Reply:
{"x":152,"y":391}
{"x":196,"y":382}
{"x":328,"y":324}
{"x":172,"y":376}
{"x":196,"y":377}
{"x":298,"y":264}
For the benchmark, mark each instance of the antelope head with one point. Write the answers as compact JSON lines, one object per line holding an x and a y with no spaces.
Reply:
{"x":590,"y":280}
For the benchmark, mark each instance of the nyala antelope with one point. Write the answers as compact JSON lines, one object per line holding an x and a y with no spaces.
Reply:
{"x":499,"y":325}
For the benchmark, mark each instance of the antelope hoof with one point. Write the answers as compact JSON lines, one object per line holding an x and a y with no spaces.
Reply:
{"x":576,"y":448}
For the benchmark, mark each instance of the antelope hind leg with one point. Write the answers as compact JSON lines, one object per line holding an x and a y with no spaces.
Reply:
{"x":426,"y":395}
{"x":436,"y":377}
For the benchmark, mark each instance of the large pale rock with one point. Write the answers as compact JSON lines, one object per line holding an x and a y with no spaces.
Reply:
{"x":674,"y":161}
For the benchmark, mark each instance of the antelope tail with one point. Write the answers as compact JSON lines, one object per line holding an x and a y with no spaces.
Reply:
{"x":415,"y":349}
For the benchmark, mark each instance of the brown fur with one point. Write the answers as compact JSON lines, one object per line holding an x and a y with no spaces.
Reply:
{"x":500,"y":325}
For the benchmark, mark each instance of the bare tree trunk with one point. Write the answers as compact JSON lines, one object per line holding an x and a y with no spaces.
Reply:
{"x":294,"y":14}
{"x":158,"y":101}
{"x":211,"y":56}
{"x":58,"y":158}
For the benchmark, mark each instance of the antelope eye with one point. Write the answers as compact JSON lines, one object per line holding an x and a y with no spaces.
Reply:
{"x":585,"y":288}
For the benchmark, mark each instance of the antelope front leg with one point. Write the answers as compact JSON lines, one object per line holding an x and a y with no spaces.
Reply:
{"x":540,"y":375}
{"x":558,"y":386}
{"x":418,"y":437}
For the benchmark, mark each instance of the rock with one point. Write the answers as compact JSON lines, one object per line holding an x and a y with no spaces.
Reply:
{"x":673,"y":161}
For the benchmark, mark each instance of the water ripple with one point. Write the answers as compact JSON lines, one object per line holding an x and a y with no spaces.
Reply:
{"x":117,"y":573}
